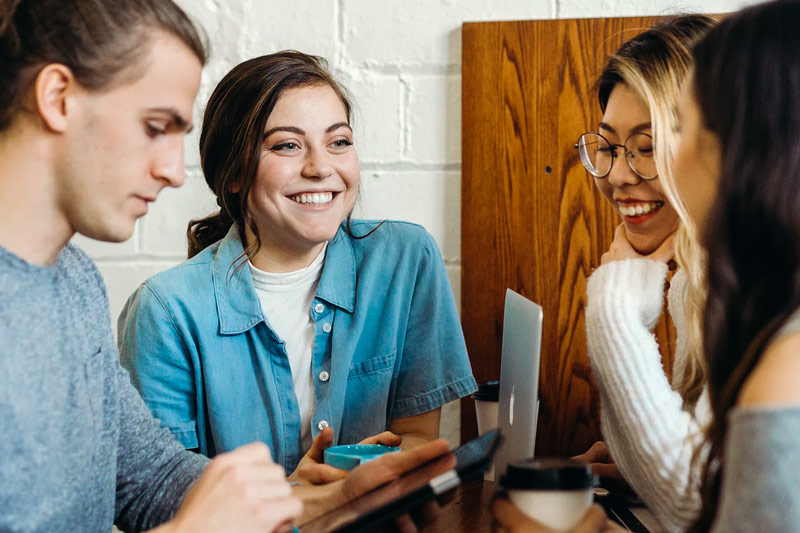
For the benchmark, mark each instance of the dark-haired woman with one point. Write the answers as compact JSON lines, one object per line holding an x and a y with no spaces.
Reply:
{"x":737,"y":170}
{"x":652,"y":426}
{"x":290,"y":317}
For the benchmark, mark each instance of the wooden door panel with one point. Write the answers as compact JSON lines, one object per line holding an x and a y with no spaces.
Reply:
{"x":532,"y":219}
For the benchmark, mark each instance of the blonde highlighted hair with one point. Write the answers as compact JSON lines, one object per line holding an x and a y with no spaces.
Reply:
{"x":654,"y":65}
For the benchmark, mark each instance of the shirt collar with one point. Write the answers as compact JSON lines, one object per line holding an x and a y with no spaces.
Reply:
{"x":337,"y":286}
{"x":238,"y":307}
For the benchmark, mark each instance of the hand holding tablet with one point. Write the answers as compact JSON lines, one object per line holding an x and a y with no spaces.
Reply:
{"x":315,"y":469}
{"x":397,"y":483}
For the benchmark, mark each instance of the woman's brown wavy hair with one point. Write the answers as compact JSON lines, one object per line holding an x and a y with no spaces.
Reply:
{"x":233,"y":133}
{"x":747,"y":86}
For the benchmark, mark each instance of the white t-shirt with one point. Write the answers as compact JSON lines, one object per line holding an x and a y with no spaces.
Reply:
{"x":286,"y":303}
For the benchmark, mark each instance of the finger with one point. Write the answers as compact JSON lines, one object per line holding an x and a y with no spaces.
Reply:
{"x":585,"y":457}
{"x":317,"y":474}
{"x":256,"y":485}
{"x":285,"y":527}
{"x":389,"y":466}
{"x":243,"y":474}
{"x":404,"y":461}
{"x":600,"y":447}
{"x":277,"y":512}
{"x":619,"y":232}
{"x":620,"y":247}
{"x":621,"y":242}
{"x":608,"y":470}
{"x":597,"y":453}
{"x":271,"y":473}
{"x":601,"y":452}
{"x":387,"y":438}
{"x":666,"y":251}
{"x":320,"y":443}
{"x":249,"y":453}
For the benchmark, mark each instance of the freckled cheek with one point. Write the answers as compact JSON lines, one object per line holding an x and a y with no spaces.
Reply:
{"x":350,"y":172}
{"x":273,"y":175}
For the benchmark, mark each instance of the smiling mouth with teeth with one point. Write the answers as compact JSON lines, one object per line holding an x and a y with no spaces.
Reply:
{"x":313,"y":198}
{"x":638,"y":209}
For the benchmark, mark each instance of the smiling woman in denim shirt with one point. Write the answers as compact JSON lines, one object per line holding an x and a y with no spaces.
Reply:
{"x":290,"y":317}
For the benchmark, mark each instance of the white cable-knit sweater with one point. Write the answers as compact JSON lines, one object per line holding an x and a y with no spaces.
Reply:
{"x":651,"y":437}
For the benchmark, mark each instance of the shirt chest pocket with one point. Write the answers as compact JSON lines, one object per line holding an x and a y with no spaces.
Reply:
{"x":374,"y":365}
{"x":369,"y":388}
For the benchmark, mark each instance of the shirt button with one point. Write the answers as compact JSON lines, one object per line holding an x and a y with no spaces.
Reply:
{"x":324,"y":376}
{"x":322,"y":424}
{"x":319,"y":308}
{"x":326,"y":327}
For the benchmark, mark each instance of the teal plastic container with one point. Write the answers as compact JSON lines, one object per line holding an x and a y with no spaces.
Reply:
{"x":349,"y":456}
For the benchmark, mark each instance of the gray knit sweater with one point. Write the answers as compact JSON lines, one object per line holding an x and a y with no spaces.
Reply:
{"x":78,"y":448}
{"x":761,"y":472}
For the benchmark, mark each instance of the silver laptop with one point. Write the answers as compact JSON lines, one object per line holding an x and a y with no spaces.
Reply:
{"x":519,"y":379}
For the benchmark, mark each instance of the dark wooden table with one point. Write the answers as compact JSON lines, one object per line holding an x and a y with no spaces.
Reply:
{"x":468,"y":512}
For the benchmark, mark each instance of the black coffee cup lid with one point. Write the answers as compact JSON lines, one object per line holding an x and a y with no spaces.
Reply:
{"x":548,"y":474}
{"x":488,"y":391}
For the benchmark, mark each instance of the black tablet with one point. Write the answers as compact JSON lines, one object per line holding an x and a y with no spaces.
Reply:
{"x":411,"y":490}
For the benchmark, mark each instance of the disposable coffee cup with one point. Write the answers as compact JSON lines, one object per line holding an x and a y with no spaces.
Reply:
{"x":554,"y":492}
{"x":487,"y":399}
{"x":486,"y":402}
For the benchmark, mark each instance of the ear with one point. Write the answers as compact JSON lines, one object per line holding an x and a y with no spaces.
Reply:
{"x":235,"y":187}
{"x":52,"y":87}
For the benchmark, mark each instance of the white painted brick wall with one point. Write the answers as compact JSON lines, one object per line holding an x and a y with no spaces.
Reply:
{"x":401,"y":59}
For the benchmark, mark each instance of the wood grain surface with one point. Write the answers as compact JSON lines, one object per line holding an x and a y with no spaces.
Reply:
{"x":468,"y":510}
{"x":532,"y":219}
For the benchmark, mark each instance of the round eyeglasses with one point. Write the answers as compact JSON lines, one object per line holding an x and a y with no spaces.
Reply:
{"x":597,"y":154}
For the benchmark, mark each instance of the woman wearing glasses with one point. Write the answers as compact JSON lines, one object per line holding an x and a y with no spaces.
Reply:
{"x":652,"y":428}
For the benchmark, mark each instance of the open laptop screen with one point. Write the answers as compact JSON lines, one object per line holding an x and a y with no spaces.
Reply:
{"x":519,"y":379}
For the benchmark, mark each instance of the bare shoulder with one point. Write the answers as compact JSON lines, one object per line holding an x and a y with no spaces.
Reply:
{"x":774,"y":380}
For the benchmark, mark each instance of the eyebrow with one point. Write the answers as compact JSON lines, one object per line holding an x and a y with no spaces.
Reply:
{"x":635,"y":129}
{"x":175,"y":117}
{"x":334,"y":127}
{"x":298,"y":131}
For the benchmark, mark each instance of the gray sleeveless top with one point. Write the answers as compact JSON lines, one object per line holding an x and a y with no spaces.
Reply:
{"x":761,"y":480}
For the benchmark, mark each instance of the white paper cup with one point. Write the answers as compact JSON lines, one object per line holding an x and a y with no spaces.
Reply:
{"x":487,"y":399}
{"x":487,"y":415}
{"x":555,"y":492}
{"x":486,"y":406}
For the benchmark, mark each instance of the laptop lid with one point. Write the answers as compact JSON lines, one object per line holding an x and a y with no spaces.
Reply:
{"x":519,"y":379}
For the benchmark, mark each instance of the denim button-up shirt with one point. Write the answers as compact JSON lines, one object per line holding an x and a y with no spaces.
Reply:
{"x":387,"y":344}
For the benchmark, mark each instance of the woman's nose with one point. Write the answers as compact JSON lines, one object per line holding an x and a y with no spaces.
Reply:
{"x":621,"y":173}
{"x":317,"y":165}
